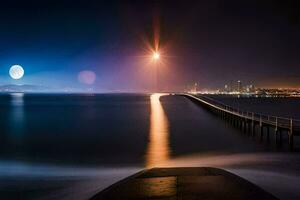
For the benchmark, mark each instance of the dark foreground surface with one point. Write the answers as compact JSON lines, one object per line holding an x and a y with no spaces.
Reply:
{"x":183,"y":183}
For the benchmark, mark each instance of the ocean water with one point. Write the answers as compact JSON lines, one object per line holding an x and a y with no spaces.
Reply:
{"x":288,"y":107}
{"x":73,"y":146}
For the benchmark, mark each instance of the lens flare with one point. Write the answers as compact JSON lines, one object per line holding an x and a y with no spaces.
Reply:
{"x":87,"y":77}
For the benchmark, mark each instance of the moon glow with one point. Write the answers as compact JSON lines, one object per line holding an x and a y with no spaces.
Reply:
{"x":16,"y":72}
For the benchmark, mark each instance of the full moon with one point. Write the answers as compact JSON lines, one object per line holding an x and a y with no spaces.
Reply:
{"x":16,"y":72}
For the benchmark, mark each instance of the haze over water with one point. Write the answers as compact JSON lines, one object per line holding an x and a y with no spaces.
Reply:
{"x":72,"y":146}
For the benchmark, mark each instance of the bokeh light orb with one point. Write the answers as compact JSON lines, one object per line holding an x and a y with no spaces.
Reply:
{"x":16,"y":72}
{"x":87,"y":77}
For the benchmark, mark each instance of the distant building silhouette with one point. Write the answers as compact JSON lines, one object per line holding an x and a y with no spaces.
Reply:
{"x":239,"y":86}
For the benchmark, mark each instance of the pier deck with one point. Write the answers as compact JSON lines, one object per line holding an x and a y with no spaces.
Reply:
{"x":183,"y":183}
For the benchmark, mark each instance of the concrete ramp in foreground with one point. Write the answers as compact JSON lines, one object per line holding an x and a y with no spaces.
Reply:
{"x":183,"y":183}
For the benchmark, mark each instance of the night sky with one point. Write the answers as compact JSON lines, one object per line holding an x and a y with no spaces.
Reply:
{"x":209,"y":42}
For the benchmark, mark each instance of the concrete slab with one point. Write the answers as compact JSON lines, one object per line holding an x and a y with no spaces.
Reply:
{"x":183,"y":183}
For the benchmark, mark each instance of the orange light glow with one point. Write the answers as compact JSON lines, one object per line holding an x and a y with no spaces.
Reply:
{"x":158,"y":148}
{"x":156,"y":56}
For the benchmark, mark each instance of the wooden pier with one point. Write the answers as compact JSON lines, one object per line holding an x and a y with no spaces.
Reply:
{"x":249,"y":121}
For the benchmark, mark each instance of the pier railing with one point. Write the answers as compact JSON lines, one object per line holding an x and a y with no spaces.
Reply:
{"x":290,"y":124}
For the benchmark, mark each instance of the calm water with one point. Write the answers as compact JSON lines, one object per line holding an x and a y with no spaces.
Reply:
{"x":72,"y":146}
{"x":281,"y":106}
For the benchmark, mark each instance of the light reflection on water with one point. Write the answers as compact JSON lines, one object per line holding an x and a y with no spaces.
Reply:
{"x":17,"y":99}
{"x":158,"y":151}
{"x":17,"y":112}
